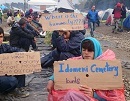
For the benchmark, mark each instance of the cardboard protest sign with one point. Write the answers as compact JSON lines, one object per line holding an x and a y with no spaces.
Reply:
{"x":60,"y":21}
{"x":20,"y":63}
{"x":97,"y":74}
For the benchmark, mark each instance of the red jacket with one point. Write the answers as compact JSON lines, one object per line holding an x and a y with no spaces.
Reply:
{"x":117,"y":12}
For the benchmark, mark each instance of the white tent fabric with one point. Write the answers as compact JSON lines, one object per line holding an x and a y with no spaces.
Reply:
{"x":105,"y":14}
{"x":101,"y":13}
{"x":42,"y":2}
{"x":67,"y":4}
{"x":51,"y":8}
{"x":15,"y":9}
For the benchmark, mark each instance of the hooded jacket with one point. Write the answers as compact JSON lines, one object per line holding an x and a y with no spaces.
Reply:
{"x":92,"y":16}
{"x":97,"y":46}
{"x":28,"y":13}
{"x":16,"y":33}
{"x":72,"y":45}
{"x":4,"y":48}
{"x":117,"y":11}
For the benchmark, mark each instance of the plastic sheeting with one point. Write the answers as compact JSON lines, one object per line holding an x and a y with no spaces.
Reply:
{"x":126,"y":22}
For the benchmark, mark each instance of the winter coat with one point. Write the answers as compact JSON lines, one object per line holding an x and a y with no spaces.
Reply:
{"x":9,"y":14}
{"x":72,"y":45}
{"x":4,"y":48}
{"x":17,"y":33}
{"x":123,"y":12}
{"x":31,"y":29}
{"x":37,"y":23}
{"x":83,"y":31}
{"x":55,"y":35}
{"x":117,"y":12}
{"x":92,"y":16}
{"x":28,"y":13}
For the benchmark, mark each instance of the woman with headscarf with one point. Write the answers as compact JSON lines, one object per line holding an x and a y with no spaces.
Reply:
{"x":90,"y":50}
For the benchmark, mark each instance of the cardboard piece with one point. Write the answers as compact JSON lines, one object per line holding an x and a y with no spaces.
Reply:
{"x":20,"y":63}
{"x":97,"y":74}
{"x":59,"y":21}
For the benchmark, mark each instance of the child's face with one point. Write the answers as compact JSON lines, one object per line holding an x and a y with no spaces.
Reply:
{"x":87,"y":54}
{"x":1,"y":38}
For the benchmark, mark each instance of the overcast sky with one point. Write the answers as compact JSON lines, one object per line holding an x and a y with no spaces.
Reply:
{"x":9,"y":1}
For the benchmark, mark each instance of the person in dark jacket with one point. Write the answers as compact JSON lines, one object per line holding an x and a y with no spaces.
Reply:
{"x":117,"y":16}
{"x":20,"y":37}
{"x":67,"y":46}
{"x":55,"y":35}
{"x":29,"y":27}
{"x":10,"y":83}
{"x":35,"y":21}
{"x":92,"y":19}
{"x":123,"y":14}
{"x":9,"y":13}
{"x":31,"y":30}
{"x":83,"y":31}
{"x":29,"y":12}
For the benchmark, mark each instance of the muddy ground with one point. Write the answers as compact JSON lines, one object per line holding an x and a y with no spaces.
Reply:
{"x":119,"y":43}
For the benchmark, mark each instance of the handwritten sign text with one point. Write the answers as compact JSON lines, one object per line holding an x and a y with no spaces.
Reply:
{"x":96,"y":74}
{"x":19,"y":63}
{"x":59,"y":21}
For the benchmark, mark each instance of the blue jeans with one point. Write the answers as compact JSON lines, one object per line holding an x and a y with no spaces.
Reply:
{"x":7,"y":84}
{"x":92,"y":26}
{"x":117,"y":25}
{"x":48,"y":60}
{"x":21,"y":80}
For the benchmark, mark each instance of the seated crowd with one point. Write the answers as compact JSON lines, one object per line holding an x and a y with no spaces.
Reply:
{"x":66,"y":45}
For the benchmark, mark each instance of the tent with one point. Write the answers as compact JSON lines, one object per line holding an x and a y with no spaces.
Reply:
{"x":110,"y":20}
{"x":15,"y":9}
{"x":42,"y":2}
{"x":106,"y":14}
{"x":2,"y":7}
{"x":100,"y":14}
{"x":65,"y":6}
{"x":126,"y":23}
{"x":51,"y":8}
